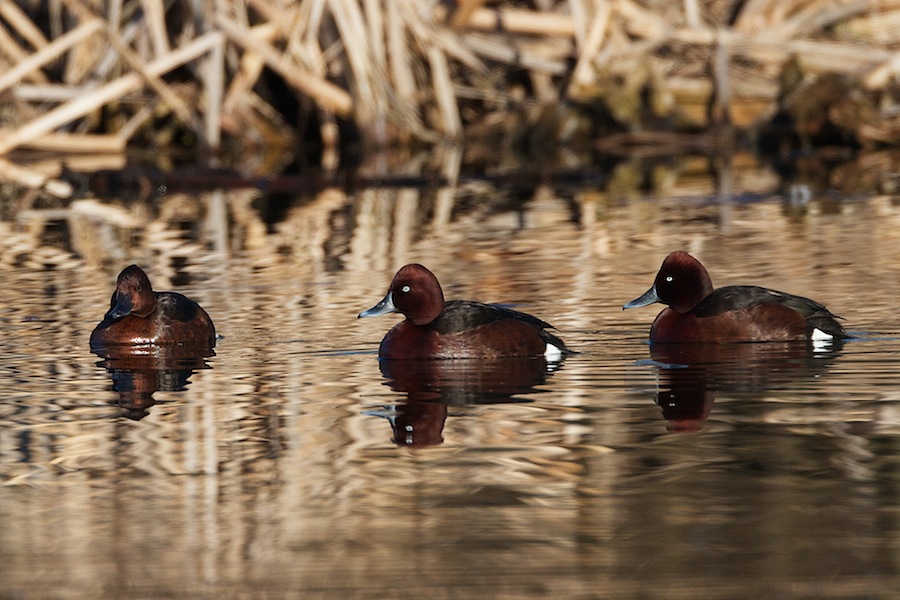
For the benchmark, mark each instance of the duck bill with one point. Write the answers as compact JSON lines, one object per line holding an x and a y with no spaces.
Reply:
{"x":649,"y":297}
{"x":122,"y":307}
{"x":382,"y":308}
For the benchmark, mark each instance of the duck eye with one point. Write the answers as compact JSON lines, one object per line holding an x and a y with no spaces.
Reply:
{"x":405,"y":289}
{"x":669,"y":279}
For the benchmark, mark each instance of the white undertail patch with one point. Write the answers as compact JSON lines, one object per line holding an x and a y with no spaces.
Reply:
{"x":552,"y":353}
{"x":820,"y":336}
{"x":821,"y":341}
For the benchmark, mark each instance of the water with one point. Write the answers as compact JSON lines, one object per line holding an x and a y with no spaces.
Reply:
{"x":289,"y":465}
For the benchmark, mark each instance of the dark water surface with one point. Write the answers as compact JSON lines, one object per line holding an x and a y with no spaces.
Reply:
{"x":291,"y":464}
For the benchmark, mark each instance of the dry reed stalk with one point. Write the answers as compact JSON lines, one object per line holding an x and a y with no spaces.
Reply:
{"x":22,"y":24}
{"x":462,"y":12}
{"x":109,"y":92}
{"x":49,"y":164}
{"x":313,"y":14}
{"x":500,"y":50}
{"x":722,"y":79}
{"x":427,"y":33}
{"x":795,"y":16}
{"x":642,"y":22}
{"x":155,"y":22}
{"x":114,"y":15}
{"x":357,"y":45}
{"x":23,"y":110}
{"x":584,"y":73}
{"x":692,"y":14}
{"x":515,"y":21}
{"x":109,"y":62}
{"x":154,"y":82}
{"x":405,"y":97}
{"x":581,"y":18}
{"x":329,"y":96}
{"x":302,"y":48}
{"x":375,"y":25}
{"x":305,"y":46}
{"x":826,"y":57}
{"x":18,"y":54}
{"x":444,"y":94}
{"x":248,"y":71}
{"x":881,"y":75}
{"x":878,"y":26}
{"x":281,"y":22}
{"x":816,"y":16}
{"x":83,"y":58}
{"x":752,"y":16}
{"x":698,"y":36}
{"x":46,"y":93}
{"x":885,"y":133}
{"x":75,"y":142}
{"x":400,"y":58}
{"x":49,"y":52}
{"x":214,"y":80}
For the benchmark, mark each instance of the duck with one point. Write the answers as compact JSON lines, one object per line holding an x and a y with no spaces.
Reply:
{"x":138,"y":315}
{"x":457,"y":329}
{"x":696,"y":312}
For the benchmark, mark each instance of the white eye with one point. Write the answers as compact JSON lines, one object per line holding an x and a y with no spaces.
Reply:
{"x":669,"y":279}
{"x":404,"y":289}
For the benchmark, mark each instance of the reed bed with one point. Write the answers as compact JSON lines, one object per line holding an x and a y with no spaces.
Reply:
{"x":257,"y":78}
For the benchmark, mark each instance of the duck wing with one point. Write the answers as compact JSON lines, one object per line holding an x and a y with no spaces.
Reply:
{"x":176,"y":307}
{"x":465,"y":315}
{"x":737,"y":297}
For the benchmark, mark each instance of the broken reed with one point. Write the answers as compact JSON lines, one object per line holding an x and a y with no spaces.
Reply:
{"x":92,"y":76}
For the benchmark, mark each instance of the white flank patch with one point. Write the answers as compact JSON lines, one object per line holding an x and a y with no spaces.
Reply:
{"x":552,"y":353}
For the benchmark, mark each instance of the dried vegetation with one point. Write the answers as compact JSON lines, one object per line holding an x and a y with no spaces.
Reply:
{"x":260,"y":77}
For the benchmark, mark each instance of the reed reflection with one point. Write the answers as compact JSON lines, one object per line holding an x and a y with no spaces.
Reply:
{"x":691,"y":375}
{"x":137,"y":372}
{"x":431,"y":386}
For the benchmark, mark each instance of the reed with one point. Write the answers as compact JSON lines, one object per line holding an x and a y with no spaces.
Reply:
{"x":146,"y":72}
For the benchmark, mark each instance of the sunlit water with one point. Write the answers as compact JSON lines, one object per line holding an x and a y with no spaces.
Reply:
{"x":292,"y":464}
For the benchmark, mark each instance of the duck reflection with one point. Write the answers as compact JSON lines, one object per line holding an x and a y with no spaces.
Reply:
{"x":431,"y":386}
{"x":690,"y":375}
{"x":137,"y":372}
